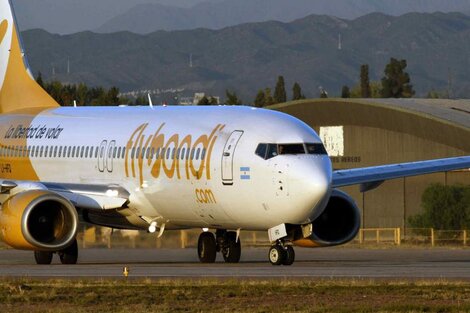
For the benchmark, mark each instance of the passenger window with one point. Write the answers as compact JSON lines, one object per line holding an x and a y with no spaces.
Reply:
{"x":197,"y":153}
{"x":123,"y":152}
{"x":87,"y":149}
{"x":192,"y":153}
{"x":55,"y":151}
{"x":168,"y":151}
{"x":97,"y":149}
{"x":203,"y":155}
{"x":178,"y":153}
{"x":60,"y":151}
{"x":173,"y":153}
{"x":182,"y":153}
{"x":41,"y":151}
{"x":82,"y":150}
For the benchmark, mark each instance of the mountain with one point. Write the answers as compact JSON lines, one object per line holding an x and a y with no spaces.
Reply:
{"x":249,"y":57}
{"x":146,"y":18}
{"x":70,"y":16}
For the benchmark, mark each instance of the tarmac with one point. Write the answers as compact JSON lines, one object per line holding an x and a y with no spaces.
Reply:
{"x":340,"y":262}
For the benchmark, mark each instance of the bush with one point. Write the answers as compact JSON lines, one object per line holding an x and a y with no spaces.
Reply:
{"x":445,"y":207}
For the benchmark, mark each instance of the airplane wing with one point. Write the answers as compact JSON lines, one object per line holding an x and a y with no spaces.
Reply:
{"x":90,"y":197}
{"x":371,"y":177}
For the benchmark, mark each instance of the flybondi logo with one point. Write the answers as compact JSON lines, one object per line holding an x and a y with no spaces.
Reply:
{"x":3,"y":30}
{"x":169,"y":154}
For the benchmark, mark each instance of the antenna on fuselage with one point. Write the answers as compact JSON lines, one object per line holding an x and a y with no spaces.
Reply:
{"x":74,"y":103}
{"x":150,"y":100}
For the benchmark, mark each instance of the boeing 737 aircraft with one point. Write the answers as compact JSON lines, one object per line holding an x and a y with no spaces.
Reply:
{"x":222,"y":168}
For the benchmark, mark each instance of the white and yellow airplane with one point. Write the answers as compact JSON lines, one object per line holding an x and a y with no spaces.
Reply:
{"x":223,"y":168}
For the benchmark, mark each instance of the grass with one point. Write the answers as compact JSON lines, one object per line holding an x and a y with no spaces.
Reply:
{"x":193,"y":295}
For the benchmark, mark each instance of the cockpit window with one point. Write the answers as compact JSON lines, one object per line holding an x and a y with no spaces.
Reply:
{"x":270,"y":150}
{"x":297,"y":148}
{"x":316,"y":148}
{"x":261,"y":150}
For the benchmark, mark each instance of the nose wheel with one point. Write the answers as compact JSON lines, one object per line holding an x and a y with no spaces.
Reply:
{"x":280,"y":254}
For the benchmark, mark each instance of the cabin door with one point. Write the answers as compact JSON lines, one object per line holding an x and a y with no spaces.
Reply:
{"x":227,"y":157}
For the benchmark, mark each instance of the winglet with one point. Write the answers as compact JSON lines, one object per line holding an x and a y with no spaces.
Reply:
{"x":18,"y":90}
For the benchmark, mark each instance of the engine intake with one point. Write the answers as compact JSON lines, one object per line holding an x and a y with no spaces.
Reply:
{"x":38,"y":220}
{"x":339,"y":223}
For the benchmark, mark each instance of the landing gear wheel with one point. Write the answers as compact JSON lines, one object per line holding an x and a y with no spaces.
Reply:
{"x":289,"y":256}
{"x":70,"y":254}
{"x":277,"y":255}
{"x":43,"y":257}
{"x":232,"y":248}
{"x":206,"y":248}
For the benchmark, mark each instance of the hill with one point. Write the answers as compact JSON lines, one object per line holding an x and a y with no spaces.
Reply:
{"x":248,"y":57}
{"x":146,"y":18}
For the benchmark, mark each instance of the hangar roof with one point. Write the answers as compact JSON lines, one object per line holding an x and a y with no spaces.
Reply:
{"x":439,"y":120}
{"x":454,"y":111}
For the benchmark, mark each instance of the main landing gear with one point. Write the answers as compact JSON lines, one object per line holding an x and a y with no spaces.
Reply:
{"x":68,"y":255}
{"x":225,"y":242}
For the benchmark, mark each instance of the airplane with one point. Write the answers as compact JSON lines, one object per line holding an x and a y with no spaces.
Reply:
{"x":224,"y":168}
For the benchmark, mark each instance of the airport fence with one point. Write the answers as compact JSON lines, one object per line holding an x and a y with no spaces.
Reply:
{"x":102,"y":237}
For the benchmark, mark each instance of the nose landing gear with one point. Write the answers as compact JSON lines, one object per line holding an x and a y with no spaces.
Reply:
{"x":225,"y":242}
{"x":281,"y":254}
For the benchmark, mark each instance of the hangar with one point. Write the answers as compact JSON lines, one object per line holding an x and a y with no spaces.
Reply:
{"x":369,"y":132}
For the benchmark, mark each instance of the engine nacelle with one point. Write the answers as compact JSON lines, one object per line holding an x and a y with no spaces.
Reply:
{"x":339,"y":223}
{"x":38,"y":220}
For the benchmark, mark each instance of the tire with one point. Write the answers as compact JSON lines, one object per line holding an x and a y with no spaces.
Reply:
{"x":276,"y":255}
{"x":43,"y":257}
{"x":289,"y":256}
{"x":233,"y":249}
{"x":70,"y":254}
{"x":206,"y":248}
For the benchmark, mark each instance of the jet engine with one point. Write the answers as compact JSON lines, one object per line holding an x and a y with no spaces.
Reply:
{"x":38,"y":220}
{"x":338,"y":223}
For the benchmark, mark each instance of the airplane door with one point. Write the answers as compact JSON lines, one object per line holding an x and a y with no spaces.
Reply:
{"x":109,"y":161}
{"x":102,"y":155}
{"x":227,"y":157}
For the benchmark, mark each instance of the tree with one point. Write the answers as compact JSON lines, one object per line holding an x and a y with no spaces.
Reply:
{"x":396,"y":82}
{"x":445,"y":207}
{"x":39,"y":80}
{"x":268,"y":98}
{"x":213,"y":101}
{"x":345,"y":92}
{"x":260,"y":100}
{"x":203,"y":101}
{"x":365,"y":83}
{"x":280,"y":95}
{"x":232,"y":98}
{"x":141,"y":100}
{"x":297,"y":92}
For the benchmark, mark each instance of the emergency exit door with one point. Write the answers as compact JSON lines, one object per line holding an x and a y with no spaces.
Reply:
{"x":227,"y":157}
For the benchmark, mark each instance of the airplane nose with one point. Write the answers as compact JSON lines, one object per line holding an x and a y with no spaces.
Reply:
{"x":311,"y":186}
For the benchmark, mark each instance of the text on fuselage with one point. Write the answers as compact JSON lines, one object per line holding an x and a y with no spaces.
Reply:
{"x":172,"y":166}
